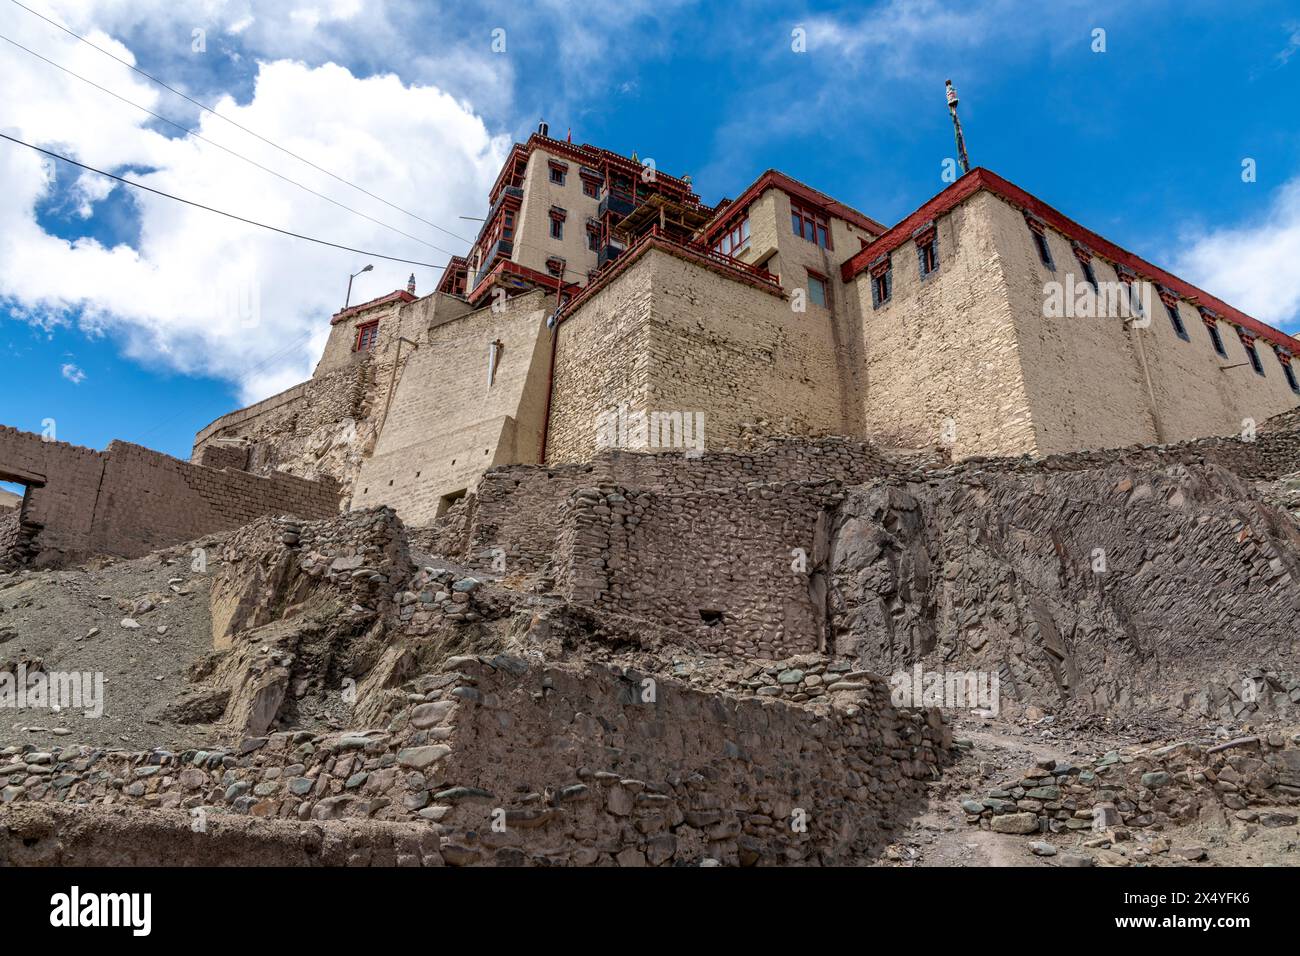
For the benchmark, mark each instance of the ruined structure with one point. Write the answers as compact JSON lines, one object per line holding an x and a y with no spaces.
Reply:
{"x":128,"y":500}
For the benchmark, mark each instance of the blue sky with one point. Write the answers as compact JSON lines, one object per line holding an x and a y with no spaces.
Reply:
{"x":114,"y":309}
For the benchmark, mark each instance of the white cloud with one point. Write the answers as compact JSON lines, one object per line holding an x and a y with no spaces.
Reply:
{"x":72,"y":373}
{"x":1252,"y":266}
{"x":181,"y":300}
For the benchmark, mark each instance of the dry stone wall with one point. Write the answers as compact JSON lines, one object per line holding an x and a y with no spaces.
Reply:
{"x":732,"y":569}
{"x":510,"y":762}
{"x":1149,"y":789}
{"x":518,"y":509}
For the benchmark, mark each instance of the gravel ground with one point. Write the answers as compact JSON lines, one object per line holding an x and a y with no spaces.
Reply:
{"x":72,"y":620}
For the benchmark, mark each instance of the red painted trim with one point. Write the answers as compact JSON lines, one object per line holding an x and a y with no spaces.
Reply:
{"x":523,"y":272}
{"x":981,"y":179}
{"x":774,"y":179}
{"x":694,"y":252}
{"x":362,"y":329}
{"x":401,"y":295}
{"x":590,"y":156}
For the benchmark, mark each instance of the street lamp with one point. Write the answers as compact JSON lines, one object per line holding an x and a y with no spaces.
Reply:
{"x":350,"y":278}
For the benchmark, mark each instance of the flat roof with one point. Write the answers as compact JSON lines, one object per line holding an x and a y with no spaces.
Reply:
{"x":981,"y":179}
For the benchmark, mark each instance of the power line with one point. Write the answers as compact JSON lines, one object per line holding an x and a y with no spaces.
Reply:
{"x":199,"y":136}
{"x":205,"y":108}
{"x":219,"y":212}
{"x":208,"y":109}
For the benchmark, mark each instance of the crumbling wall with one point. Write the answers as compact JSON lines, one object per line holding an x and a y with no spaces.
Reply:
{"x":553,"y":764}
{"x":732,"y":569}
{"x":517,"y":509}
{"x":1153,"y":788}
{"x":129,"y":500}
{"x":317,"y":429}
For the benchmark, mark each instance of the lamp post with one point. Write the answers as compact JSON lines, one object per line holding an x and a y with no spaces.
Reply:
{"x":348,"y":298}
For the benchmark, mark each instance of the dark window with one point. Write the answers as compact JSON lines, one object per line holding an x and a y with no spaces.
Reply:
{"x":882,"y":287}
{"x":1255,"y":363}
{"x":1044,"y":253}
{"x":1089,"y":273}
{"x":508,"y":230}
{"x":1216,"y":339}
{"x":1134,"y":295}
{"x":1289,"y":372}
{"x":557,"y":228}
{"x":817,"y":290}
{"x":593,"y":238}
{"x":557,"y":175}
{"x":367,"y":336}
{"x":811,"y":224}
{"x":1171,"y":306}
{"x":928,"y":254}
{"x":590,"y":188}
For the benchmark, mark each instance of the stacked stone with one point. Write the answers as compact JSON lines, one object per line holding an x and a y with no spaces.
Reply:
{"x":1154,"y":789}
{"x":803,"y":677}
{"x":362,"y":554}
{"x":436,"y":596}
{"x":17,"y":540}
{"x":512,"y":763}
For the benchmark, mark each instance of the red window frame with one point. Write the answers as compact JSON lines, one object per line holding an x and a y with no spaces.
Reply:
{"x":559,"y":172}
{"x":811,"y":224}
{"x":593,"y":238}
{"x":734,"y":239}
{"x":590,"y":187}
{"x":367,"y":336}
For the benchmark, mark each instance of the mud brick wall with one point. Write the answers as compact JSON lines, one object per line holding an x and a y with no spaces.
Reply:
{"x":129,"y":500}
{"x":224,"y":456}
{"x":580,"y":769}
{"x":734,"y":568}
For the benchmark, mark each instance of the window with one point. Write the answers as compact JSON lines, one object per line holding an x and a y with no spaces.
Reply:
{"x":1216,"y":338}
{"x":1134,"y":289}
{"x":508,"y":230}
{"x":590,"y":187}
{"x":1089,"y":273}
{"x":882,"y":283}
{"x":558,"y":216}
{"x":555,"y":266}
{"x":1171,"y":306}
{"x":558,"y":172}
{"x":593,"y":238}
{"x":1044,"y":253}
{"x":1289,"y":372}
{"x":735,"y":240}
{"x":927,"y":250}
{"x":817,"y":290}
{"x":367,"y":336}
{"x":811,"y":224}
{"x":1255,"y":363}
